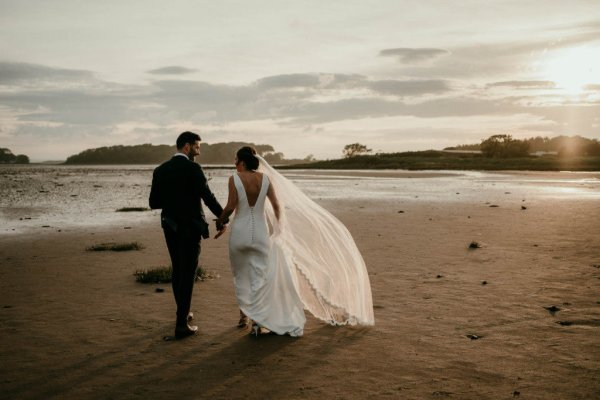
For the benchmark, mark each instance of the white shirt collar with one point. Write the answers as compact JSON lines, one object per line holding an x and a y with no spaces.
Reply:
{"x":181,"y":154}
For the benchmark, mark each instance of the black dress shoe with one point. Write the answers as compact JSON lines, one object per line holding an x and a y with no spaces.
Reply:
{"x":184,"y":331}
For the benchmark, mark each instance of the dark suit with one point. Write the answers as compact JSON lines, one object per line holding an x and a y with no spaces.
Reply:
{"x":178,"y":186}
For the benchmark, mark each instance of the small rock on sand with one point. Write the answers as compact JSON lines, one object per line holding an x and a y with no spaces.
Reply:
{"x":552,"y":309}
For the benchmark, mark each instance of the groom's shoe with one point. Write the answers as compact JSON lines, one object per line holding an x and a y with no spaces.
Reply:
{"x":183,"y":331}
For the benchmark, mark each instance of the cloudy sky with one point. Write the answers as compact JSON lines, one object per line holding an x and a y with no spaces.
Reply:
{"x":307,"y":77}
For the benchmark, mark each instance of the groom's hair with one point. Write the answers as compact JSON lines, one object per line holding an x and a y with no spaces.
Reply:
{"x":187,"y":137}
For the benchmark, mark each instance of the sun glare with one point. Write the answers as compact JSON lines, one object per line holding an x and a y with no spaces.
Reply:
{"x":572,"y":69}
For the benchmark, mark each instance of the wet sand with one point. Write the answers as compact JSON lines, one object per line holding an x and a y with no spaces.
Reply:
{"x":76,"y":325}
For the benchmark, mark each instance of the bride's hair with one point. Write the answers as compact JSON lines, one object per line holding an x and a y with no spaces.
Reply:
{"x":247,"y":155}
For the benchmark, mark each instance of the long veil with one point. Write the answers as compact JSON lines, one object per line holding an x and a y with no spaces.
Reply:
{"x":328,"y":270}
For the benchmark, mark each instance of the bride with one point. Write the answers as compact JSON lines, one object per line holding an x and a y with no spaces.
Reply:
{"x":290,"y":254}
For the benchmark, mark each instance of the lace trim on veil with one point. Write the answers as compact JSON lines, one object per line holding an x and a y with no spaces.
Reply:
{"x":329,"y":272}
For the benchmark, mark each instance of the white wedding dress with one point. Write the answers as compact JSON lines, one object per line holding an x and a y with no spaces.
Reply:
{"x":262,"y":276}
{"x":305,"y":260}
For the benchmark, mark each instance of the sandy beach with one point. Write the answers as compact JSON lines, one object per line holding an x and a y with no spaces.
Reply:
{"x":76,"y":325}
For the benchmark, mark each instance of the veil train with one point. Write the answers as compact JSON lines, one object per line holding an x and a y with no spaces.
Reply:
{"x":328,"y":270}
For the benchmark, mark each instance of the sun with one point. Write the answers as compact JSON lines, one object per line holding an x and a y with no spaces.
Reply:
{"x":573,"y":68}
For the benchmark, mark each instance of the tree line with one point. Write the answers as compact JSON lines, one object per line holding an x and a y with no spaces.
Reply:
{"x":217,"y":153}
{"x":505,"y":146}
{"x":7,"y":157}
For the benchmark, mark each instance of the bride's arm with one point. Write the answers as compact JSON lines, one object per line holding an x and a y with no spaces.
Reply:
{"x":231,"y":202}
{"x":273,"y":199}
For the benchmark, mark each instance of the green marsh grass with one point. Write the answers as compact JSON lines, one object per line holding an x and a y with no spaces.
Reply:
{"x":164,"y":275}
{"x":116,"y":247}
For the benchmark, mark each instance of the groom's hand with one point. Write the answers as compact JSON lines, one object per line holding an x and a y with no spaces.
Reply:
{"x":221,"y":231}
{"x":221,"y":228}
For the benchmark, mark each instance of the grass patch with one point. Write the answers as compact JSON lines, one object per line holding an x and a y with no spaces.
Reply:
{"x":132,"y":209}
{"x":116,"y":247}
{"x":164,"y":275}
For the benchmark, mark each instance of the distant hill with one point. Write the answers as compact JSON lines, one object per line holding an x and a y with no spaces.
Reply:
{"x":443,"y":160}
{"x":7,"y":157}
{"x":217,"y":153}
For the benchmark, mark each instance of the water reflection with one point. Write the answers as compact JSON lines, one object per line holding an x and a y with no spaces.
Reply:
{"x":32,"y":197}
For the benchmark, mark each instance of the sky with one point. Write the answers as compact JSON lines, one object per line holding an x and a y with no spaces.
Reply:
{"x":307,"y":77}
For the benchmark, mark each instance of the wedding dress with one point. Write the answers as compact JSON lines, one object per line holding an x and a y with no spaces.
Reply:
{"x":262,"y":276}
{"x":305,"y":260}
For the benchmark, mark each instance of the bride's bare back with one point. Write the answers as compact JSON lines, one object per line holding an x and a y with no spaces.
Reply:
{"x":252,"y":182}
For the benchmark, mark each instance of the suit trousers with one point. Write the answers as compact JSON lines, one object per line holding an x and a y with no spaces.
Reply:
{"x":184,"y":249}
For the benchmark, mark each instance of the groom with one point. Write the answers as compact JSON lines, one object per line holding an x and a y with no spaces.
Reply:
{"x":178,"y":185}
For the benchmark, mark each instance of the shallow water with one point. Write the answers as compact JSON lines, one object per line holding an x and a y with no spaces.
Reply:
{"x":48,"y":197}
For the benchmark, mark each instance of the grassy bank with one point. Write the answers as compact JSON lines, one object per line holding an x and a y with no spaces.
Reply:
{"x":436,"y":160}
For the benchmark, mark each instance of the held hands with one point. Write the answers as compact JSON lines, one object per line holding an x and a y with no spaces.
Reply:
{"x":221,"y":227}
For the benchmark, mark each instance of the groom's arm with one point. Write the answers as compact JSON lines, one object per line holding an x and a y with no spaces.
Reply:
{"x":206,"y":194}
{"x":154,"y":200}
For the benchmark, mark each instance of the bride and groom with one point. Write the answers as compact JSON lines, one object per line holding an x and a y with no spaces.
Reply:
{"x":287,"y":253}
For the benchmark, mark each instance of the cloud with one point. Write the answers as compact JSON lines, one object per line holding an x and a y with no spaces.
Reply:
{"x":105,"y":113}
{"x":497,"y":58}
{"x":289,"y":81}
{"x":68,"y":106}
{"x":19,"y":73}
{"x":524,"y":84}
{"x":416,"y":55}
{"x":171,"y":70}
{"x":409,"y":87}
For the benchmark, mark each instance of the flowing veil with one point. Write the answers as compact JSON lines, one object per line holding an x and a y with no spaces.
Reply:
{"x":328,"y":270}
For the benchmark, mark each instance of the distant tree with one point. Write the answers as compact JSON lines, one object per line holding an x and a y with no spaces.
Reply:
{"x":355,"y":149}
{"x":593,"y":148}
{"x":22,"y":159}
{"x":7,"y":157}
{"x":574,"y":146}
{"x":504,"y":146}
{"x":309,"y":158}
{"x":273,"y":157}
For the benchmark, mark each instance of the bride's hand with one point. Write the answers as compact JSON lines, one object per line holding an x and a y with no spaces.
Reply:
{"x":222,"y":231}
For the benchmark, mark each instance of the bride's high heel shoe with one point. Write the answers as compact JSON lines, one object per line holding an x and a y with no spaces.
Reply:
{"x":255,"y":330}
{"x":258,"y":330}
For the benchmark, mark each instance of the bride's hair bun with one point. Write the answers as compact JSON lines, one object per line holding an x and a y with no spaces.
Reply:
{"x":248,"y":156}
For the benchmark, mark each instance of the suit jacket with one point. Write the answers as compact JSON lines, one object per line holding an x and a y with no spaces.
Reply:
{"x":178,"y":186}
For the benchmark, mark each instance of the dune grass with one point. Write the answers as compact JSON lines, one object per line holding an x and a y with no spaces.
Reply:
{"x":164,"y":275}
{"x":116,"y":247}
{"x":132,"y":209}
